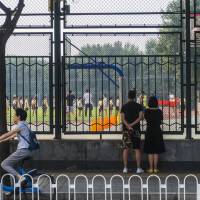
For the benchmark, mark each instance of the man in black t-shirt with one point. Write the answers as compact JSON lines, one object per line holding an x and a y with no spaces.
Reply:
{"x":131,"y":115}
{"x":70,"y":103}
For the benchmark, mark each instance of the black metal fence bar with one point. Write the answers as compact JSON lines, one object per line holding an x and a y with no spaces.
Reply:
{"x":196,"y":70}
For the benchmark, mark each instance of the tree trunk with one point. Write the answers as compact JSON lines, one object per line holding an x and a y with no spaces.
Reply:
{"x":4,"y":147}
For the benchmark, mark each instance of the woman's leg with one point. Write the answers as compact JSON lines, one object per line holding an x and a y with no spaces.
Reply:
{"x":151,"y":159}
{"x":155,"y":159}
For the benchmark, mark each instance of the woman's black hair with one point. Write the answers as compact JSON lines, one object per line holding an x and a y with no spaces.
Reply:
{"x":21,"y":113}
{"x":153,"y":102}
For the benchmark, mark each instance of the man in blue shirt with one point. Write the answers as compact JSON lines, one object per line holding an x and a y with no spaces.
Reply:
{"x":21,"y":131}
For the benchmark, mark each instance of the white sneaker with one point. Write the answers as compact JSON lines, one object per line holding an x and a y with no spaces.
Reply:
{"x":125,"y":171}
{"x":139,"y":171}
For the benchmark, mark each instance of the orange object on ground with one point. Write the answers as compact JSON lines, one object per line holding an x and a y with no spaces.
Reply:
{"x":104,"y":123}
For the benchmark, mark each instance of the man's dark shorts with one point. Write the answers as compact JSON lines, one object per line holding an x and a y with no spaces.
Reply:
{"x":131,"y":140}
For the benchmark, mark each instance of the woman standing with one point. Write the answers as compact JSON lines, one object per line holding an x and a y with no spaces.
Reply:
{"x":154,"y":144}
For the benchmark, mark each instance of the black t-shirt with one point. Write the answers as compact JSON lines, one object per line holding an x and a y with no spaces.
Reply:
{"x":70,"y":99}
{"x":154,"y":118}
{"x":131,"y":112}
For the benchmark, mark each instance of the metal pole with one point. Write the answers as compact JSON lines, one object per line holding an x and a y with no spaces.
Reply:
{"x":188,"y":72}
{"x":121,"y":95}
{"x":57,"y":70}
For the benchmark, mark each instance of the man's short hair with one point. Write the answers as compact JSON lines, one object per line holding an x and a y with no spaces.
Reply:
{"x":132,"y":94}
{"x":21,"y":113}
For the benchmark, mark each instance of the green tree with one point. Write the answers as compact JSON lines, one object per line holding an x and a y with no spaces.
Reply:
{"x":105,"y":49}
{"x":151,"y":47}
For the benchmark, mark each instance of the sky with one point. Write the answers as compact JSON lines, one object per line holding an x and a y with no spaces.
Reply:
{"x":39,"y":45}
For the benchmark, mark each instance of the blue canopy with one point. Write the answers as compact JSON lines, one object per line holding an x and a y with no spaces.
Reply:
{"x":100,"y":66}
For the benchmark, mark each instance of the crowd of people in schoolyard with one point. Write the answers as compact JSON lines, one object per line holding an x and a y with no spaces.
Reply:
{"x":78,"y":106}
{"x":85,"y":105}
{"x":28,"y":104}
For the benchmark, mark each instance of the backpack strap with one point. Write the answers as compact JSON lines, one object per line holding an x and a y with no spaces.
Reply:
{"x":23,"y":136}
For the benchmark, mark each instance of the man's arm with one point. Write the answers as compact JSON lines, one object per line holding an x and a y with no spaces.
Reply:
{"x":140,"y":118}
{"x":9,"y":134}
{"x":9,"y":138}
{"x":128,"y":126}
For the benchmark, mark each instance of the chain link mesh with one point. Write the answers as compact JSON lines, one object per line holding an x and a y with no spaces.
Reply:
{"x":123,"y":13}
{"x":122,"y":43}
{"x":35,"y":13}
{"x":29,"y":45}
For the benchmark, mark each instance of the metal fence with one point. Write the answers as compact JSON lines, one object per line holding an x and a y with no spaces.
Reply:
{"x":149,"y":48}
{"x":29,"y":79}
{"x":109,"y":187}
{"x":29,"y":86}
{"x":108,"y":80}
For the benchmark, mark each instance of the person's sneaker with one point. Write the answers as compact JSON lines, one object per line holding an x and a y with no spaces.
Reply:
{"x":125,"y":170}
{"x":139,"y":171}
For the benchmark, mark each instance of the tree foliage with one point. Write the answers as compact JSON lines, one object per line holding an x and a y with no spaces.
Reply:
{"x":117,"y":48}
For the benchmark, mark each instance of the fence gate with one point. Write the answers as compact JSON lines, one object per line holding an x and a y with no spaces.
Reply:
{"x":106,"y":79}
{"x":147,"y":49}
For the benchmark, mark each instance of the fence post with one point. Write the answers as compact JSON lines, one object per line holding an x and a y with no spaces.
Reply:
{"x":188,"y":71}
{"x":57,"y":70}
